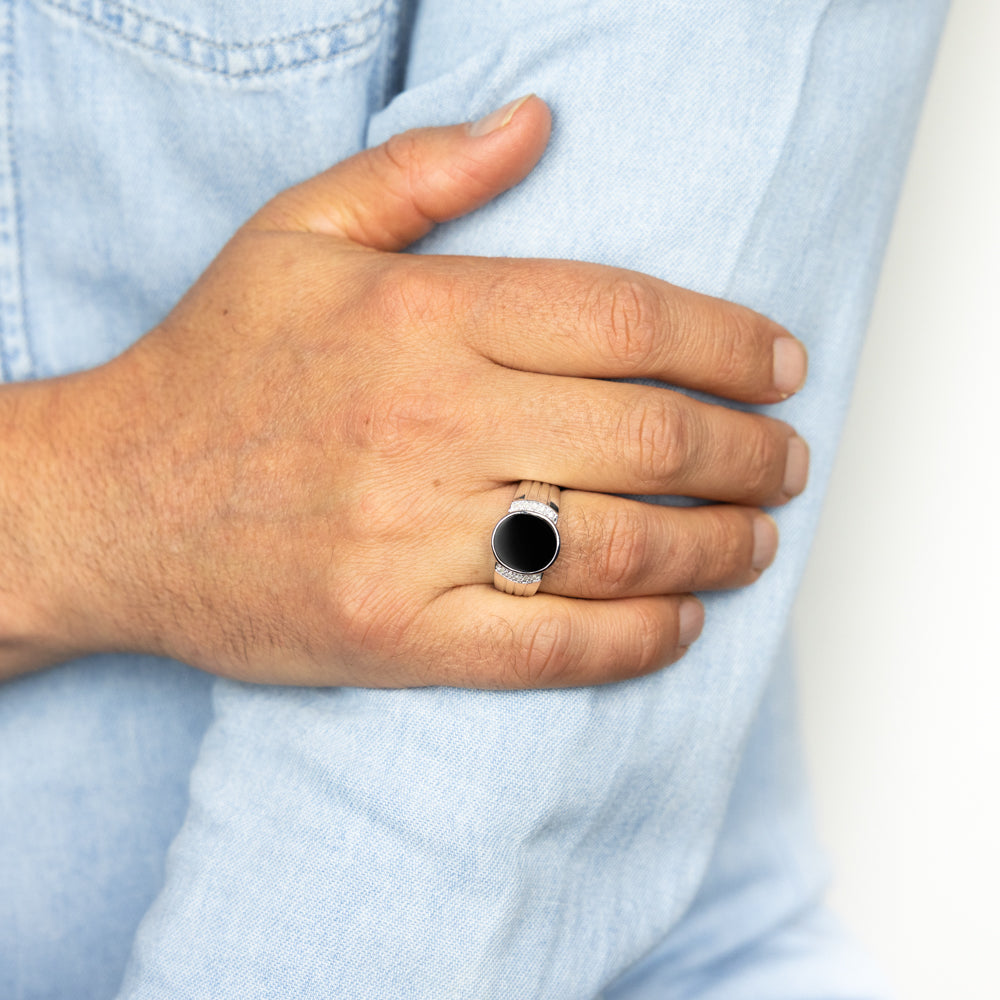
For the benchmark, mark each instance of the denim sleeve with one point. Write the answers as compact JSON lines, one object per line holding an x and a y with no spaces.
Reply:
{"x":446,"y":843}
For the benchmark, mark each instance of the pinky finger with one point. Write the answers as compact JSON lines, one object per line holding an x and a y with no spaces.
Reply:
{"x":548,"y":641}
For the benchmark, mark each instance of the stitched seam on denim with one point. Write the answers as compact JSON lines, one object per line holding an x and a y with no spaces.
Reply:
{"x":15,"y":358}
{"x":80,"y":8}
{"x":223,"y":58}
{"x":393,"y":13}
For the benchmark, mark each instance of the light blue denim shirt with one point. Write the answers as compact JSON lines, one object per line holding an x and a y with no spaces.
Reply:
{"x":440,"y":843}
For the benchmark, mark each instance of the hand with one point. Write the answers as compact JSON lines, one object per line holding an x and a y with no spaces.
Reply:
{"x":294,"y":477}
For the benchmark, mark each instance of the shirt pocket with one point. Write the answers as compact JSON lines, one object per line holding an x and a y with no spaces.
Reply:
{"x":144,"y":134}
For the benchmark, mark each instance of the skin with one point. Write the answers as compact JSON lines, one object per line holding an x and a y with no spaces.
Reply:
{"x":293,"y":478}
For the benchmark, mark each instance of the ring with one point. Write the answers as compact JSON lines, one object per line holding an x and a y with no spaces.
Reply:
{"x":525,"y":541}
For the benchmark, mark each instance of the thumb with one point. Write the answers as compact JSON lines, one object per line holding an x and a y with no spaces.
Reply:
{"x":388,"y":196}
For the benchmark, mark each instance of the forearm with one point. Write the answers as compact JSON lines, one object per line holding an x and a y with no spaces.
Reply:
{"x":58,"y":521}
{"x":28,"y":530}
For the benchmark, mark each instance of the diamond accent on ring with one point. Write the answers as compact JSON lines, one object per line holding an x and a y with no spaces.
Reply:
{"x":515,"y":577}
{"x":534,"y":507}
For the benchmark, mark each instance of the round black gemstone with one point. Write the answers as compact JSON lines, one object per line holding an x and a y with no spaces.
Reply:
{"x":525,"y":543}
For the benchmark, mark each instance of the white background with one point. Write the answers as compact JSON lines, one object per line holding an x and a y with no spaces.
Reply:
{"x":897,"y":622}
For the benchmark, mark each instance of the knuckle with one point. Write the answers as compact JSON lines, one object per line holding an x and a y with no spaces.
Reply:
{"x":409,"y":157}
{"x":543,"y":656}
{"x":765,"y":462}
{"x":698,"y":554}
{"x":623,"y":546}
{"x":731,"y":539}
{"x":688,"y":563}
{"x":402,"y":152}
{"x":370,"y":522}
{"x":652,"y":639}
{"x":654,"y":436}
{"x":408,"y":298}
{"x":736,"y":352}
{"x":366,"y":613}
{"x":722,"y":553}
{"x":622,"y":313}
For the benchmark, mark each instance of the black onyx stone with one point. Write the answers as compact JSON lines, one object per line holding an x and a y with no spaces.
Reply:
{"x":525,"y":543}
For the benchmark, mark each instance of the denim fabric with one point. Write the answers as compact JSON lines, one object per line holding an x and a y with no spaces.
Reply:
{"x":645,"y":839}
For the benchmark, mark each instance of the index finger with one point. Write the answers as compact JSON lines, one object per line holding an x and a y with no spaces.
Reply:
{"x":571,"y":318}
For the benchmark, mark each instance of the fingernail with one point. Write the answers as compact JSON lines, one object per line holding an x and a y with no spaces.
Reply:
{"x":692,"y":618}
{"x":765,"y":541}
{"x":497,"y":119}
{"x":790,"y":364}
{"x":796,"y":466}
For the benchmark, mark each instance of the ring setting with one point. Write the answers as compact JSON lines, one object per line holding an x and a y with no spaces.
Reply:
{"x":525,"y":540}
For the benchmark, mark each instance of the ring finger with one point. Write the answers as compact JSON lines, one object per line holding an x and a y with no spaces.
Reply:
{"x":613,"y":547}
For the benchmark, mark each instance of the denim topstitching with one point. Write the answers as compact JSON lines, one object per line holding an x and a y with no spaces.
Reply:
{"x":15,"y":358}
{"x":200,"y":52}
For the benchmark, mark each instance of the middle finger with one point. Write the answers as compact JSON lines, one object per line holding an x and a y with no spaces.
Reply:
{"x":611,"y":437}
